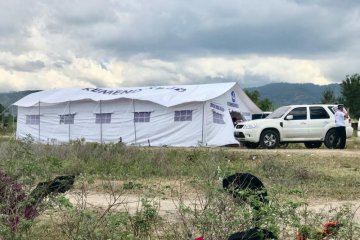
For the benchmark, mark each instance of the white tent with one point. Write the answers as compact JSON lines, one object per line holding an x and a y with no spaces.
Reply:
{"x":183,"y":115}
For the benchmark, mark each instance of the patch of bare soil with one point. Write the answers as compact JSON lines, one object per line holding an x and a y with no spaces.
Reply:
{"x":315,"y":152}
{"x":168,"y":207}
{"x":326,"y":206}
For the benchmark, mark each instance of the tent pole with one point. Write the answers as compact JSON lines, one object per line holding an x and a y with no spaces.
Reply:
{"x":3,"y":118}
{"x":69,"y":118}
{"x":39,"y":121}
{"x":133,"y":102}
{"x":3,"y":115}
{"x":101,"y":120}
{"x":13,"y":120}
{"x":203,"y":120}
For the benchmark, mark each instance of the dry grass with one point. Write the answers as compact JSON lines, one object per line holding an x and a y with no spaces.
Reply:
{"x":292,"y":176}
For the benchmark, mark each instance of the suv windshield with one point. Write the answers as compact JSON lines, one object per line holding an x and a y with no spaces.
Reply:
{"x":278,"y":113}
{"x":259,"y":115}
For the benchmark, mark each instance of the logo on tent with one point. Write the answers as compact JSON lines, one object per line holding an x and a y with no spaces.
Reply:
{"x":233,"y":96}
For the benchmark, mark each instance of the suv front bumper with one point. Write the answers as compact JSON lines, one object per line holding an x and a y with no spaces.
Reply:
{"x":247,"y":135}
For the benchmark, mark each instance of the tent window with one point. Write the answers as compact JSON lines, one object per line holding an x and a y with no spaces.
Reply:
{"x":33,"y":119}
{"x":183,"y":115}
{"x":67,"y":119}
{"x":103,"y":118}
{"x":218,"y":118}
{"x":142,"y":116}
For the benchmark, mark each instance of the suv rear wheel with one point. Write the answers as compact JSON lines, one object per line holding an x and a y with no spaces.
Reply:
{"x":315,"y":144}
{"x":329,"y":138}
{"x":269,"y":139}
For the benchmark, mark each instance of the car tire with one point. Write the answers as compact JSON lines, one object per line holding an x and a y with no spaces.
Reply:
{"x":269,"y":139}
{"x":315,"y":144}
{"x":283,"y":145}
{"x":329,"y":138}
{"x":251,"y":145}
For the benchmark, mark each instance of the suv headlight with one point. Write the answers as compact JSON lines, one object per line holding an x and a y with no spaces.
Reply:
{"x":249,"y":126}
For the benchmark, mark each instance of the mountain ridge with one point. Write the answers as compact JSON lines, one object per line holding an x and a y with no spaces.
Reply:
{"x":281,"y":94}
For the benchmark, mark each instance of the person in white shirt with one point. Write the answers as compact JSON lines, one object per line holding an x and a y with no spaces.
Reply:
{"x":340,"y":131}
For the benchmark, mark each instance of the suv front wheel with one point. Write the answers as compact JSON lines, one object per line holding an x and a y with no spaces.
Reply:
{"x":269,"y":139}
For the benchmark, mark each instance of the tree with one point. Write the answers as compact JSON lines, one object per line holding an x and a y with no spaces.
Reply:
{"x":264,"y":104}
{"x":328,"y":96}
{"x":350,"y":90}
{"x":253,"y":95}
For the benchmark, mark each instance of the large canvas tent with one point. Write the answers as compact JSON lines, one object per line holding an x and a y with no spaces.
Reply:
{"x":182,"y":115}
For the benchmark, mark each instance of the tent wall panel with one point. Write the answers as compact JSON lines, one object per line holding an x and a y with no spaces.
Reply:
{"x":218,"y":134}
{"x":23,"y":129}
{"x":166,"y":131}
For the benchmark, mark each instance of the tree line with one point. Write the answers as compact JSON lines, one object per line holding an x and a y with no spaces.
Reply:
{"x":350,"y":96}
{"x":7,"y":119}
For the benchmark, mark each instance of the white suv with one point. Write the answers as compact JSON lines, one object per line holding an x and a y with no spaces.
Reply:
{"x":310,"y":124}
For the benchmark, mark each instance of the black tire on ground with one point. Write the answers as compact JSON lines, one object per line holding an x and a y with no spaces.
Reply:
{"x":329,"y":138}
{"x":283,"y":145}
{"x":314,"y":144}
{"x":251,"y":145}
{"x":269,"y":139}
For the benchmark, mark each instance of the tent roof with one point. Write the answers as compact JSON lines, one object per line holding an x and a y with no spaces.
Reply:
{"x":164,"y":95}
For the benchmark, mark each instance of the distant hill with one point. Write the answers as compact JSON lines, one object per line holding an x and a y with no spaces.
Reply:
{"x":289,"y":93}
{"x":8,"y":98}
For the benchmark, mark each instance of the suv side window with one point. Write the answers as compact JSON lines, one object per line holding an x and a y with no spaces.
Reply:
{"x":318,"y":113}
{"x":299,"y":113}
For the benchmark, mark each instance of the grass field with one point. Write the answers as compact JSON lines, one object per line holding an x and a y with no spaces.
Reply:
{"x":189,"y":178}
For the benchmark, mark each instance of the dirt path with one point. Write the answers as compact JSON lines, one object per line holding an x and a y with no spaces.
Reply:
{"x":168,"y":207}
{"x":322,"y":152}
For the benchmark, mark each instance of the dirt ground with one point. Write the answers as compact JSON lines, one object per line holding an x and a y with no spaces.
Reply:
{"x":167,"y":207}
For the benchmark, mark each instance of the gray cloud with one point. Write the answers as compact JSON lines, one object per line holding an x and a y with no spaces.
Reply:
{"x":30,"y":66}
{"x":166,"y":29}
{"x":299,"y":31}
{"x":62,"y":33}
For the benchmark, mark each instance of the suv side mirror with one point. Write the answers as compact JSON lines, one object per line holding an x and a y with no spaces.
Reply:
{"x":289,"y":117}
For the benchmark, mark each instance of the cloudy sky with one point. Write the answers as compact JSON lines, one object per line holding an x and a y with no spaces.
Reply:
{"x":107,"y":43}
